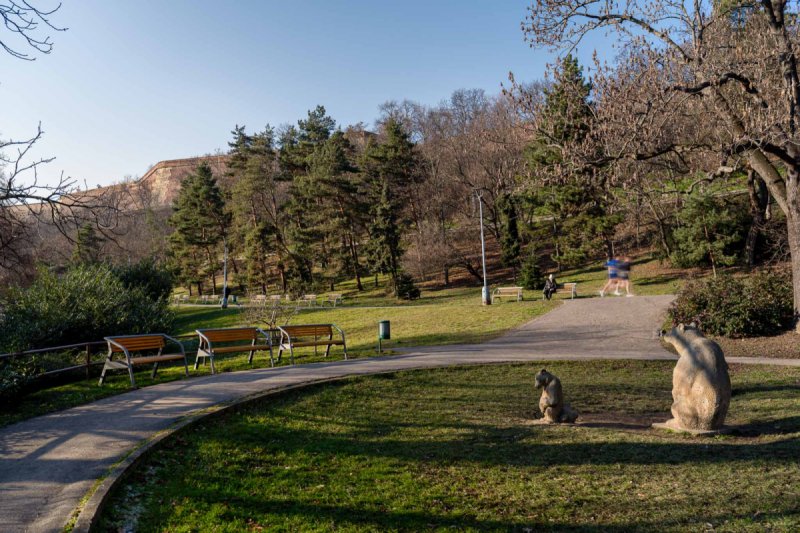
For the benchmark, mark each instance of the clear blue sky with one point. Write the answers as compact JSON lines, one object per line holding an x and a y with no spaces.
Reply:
{"x":133,"y":82}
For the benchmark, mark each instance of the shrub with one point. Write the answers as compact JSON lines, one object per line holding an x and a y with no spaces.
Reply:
{"x":406,"y":288}
{"x":709,"y":232}
{"x":531,"y":274}
{"x":87,"y":303}
{"x":156,"y":281}
{"x":760,"y":304}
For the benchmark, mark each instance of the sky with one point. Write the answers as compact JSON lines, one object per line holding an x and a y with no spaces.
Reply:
{"x":134,"y":82}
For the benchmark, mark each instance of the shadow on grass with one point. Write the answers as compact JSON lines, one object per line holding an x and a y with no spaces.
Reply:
{"x":656,"y":280}
{"x":740,"y":391}
{"x":382,"y":519}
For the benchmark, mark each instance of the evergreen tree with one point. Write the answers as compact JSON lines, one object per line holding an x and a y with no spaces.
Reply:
{"x":509,"y":239}
{"x":710,"y":232}
{"x":577,"y":206}
{"x":200,"y":224}
{"x":88,"y":245}
{"x":297,"y":154}
{"x":390,"y":169}
{"x":258,"y":221}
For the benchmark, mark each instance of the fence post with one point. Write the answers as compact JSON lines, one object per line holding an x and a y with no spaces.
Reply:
{"x":88,"y":361}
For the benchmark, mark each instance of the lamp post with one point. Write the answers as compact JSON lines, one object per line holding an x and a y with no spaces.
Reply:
{"x":485,"y":300}
{"x":225,"y":274}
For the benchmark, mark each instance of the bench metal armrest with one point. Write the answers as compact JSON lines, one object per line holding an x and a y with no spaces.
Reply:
{"x":123,"y":348}
{"x":266,"y":335}
{"x":339,"y":330}
{"x":285,"y":334}
{"x":203,"y":339}
{"x":176,"y":341}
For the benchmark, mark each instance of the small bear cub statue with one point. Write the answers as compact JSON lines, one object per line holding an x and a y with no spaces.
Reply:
{"x":554,"y":409}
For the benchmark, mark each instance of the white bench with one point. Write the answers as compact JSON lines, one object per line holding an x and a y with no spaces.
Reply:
{"x":333,"y":299}
{"x":310,"y":299}
{"x":572,"y":287}
{"x":507,"y":292}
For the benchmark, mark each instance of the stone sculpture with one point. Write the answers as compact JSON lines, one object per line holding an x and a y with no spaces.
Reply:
{"x":701,"y":387}
{"x":554,"y":409}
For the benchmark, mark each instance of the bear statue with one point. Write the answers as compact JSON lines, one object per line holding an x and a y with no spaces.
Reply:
{"x":701,"y":386}
{"x":554,"y":409}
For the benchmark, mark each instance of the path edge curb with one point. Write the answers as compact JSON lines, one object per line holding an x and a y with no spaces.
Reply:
{"x":88,"y":512}
{"x":99,"y":494}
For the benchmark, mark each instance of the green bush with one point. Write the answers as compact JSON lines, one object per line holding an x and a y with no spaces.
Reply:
{"x":709,"y":232}
{"x":760,"y":304}
{"x":406,"y":288}
{"x":531,"y":274}
{"x":86,"y":303}
{"x":156,"y":281}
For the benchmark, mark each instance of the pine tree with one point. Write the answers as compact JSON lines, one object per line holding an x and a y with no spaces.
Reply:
{"x":509,"y":239}
{"x":200,"y":224}
{"x":88,"y":245}
{"x":577,"y":205}
{"x":390,"y":169}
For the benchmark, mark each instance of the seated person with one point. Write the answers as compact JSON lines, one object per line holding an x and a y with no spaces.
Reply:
{"x":550,"y":287}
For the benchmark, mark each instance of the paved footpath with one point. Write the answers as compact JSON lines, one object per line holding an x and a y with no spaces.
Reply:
{"x":48,"y":464}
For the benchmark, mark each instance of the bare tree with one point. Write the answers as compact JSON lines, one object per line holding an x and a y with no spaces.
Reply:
{"x":23,"y":22}
{"x":32,"y":207}
{"x":732,"y":67}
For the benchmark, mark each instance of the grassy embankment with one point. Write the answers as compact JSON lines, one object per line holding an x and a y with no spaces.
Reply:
{"x":454,"y":449}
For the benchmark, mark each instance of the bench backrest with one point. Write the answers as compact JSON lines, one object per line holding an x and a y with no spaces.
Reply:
{"x":508,"y":290}
{"x":309,"y":297}
{"x":258,"y":298}
{"x":135,"y":343}
{"x":308,"y":330}
{"x":229,"y":334}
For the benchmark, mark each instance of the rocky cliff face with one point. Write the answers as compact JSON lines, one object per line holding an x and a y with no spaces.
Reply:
{"x":163,"y":182}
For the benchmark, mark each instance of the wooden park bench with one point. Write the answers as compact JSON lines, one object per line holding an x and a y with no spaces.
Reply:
{"x":128,"y":345}
{"x":570,"y":287}
{"x":310,"y":299}
{"x":310,"y":335}
{"x":507,"y":292}
{"x":231,"y":340}
{"x":258,"y":299}
{"x":332,"y":299}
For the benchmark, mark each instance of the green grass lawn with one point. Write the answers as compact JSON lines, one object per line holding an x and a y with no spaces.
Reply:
{"x":454,"y":449}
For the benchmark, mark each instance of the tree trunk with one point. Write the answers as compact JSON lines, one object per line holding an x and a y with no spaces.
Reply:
{"x":793,"y":226}
{"x":446,"y":276}
{"x":356,"y":265}
{"x":793,"y":236}
{"x":759,"y":200}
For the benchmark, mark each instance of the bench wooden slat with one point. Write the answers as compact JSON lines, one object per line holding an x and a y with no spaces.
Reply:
{"x":242,"y":348}
{"x":323,"y":342}
{"x":145,"y":342}
{"x":156,"y":358}
{"x":306,"y":331}
{"x":232,"y":334}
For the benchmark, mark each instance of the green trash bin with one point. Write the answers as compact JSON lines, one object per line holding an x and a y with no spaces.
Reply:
{"x":384,"y":333}
{"x":384,"y":330}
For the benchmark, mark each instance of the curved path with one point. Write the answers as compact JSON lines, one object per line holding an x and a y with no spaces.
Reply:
{"x":48,"y":464}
